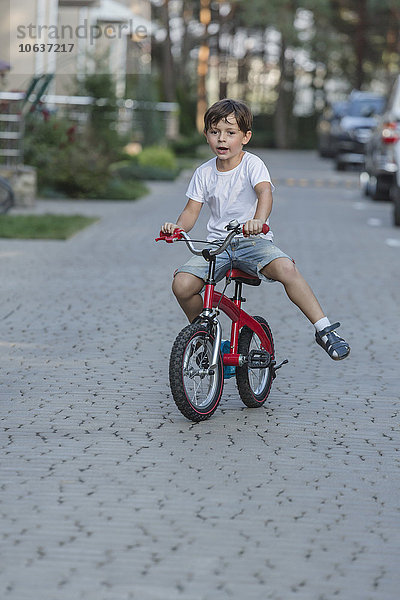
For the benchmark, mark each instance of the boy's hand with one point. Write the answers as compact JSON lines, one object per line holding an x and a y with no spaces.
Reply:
{"x":252,"y":227}
{"x":169,"y":228}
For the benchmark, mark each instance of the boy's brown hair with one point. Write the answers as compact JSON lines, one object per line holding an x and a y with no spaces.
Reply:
{"x":223,"y":108}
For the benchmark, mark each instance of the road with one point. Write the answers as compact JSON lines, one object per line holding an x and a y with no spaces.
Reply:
{"x":109,"y":493}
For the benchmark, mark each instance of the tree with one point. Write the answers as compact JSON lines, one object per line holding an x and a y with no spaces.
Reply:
{"x":371,"y":29}
{"x":279,"y":14}
{"x":263,"y":51}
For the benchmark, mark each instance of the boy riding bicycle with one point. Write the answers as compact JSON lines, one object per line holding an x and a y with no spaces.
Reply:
{"x":237,"y":185}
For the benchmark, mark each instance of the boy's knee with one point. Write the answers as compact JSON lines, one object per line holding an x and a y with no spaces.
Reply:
{"x":281,"y":269}
{"x":288,"y":270}
{"x":186,"y":285}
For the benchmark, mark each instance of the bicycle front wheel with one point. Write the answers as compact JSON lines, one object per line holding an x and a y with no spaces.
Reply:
{"x":254,"y":385}
{"x":6,"y":196}
{"x":196,"y":390}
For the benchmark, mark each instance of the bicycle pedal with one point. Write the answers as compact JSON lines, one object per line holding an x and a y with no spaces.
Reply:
{"x":274,"y":368}
{"x":284,"y":362}
{"x":259,"y":359}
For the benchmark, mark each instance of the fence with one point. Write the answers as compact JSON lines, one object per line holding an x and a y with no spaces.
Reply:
{"x":14,"y":107}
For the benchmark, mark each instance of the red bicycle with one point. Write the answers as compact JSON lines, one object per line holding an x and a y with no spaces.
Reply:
{"x":196,"y":367}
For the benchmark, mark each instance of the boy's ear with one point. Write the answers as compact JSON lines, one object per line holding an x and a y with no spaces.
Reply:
{"x":247,"y":137}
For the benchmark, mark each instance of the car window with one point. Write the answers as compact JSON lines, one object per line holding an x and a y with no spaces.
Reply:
{"x":366,"y":107}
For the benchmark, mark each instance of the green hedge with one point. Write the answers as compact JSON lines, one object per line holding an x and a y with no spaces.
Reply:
{"x":158,"y":157}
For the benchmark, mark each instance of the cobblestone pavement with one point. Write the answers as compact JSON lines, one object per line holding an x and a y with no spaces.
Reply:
{"x":109,"y":493}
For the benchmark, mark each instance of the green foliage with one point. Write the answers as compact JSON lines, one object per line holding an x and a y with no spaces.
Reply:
{"x":103,"y":113}
{"x":157,"y":156}
{"x":64,"y":164}
{"x":187,"y":109}
{"x":149,"y":121}
{"x":263,"y":132}
{"x":188,"y":145}
{"x":119,"y":189}
{"x":76,"y":164}
{"x":57,"y":227}
{"x":70,"y":167}
{"x":306,"y":132}
{"x":153,"y":163}
{"x":134,"y":171}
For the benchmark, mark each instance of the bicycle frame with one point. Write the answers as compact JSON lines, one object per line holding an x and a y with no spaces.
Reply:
{"x":232,"y":308}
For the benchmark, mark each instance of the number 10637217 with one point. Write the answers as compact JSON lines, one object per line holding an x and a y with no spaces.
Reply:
{"x":27,"y":47}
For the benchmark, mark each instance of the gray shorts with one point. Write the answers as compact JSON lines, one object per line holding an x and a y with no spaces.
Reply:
{"x":247,"y":254}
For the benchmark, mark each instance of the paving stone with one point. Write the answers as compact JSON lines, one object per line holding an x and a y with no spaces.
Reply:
{"x":109,"y":493}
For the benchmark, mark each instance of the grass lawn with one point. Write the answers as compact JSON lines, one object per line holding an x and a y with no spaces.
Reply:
{"x":43,"y":227}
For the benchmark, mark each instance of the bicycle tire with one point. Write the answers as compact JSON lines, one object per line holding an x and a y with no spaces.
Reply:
{"x":254,"y":385}
{"x":6,"y":196}
{"x":196,"y":396}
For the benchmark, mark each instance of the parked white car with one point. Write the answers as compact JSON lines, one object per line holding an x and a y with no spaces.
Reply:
{"x":381,"y":179}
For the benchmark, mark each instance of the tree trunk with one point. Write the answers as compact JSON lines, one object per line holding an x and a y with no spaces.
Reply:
{"x":167,"y":74}
{"x":360,"y":42}
{"x":283,"y":117}
{"x":202,"y":66}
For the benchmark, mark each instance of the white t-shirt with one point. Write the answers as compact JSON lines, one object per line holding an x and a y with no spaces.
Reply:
{"x":229,"y":194}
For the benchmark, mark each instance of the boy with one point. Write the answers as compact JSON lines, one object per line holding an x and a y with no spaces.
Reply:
{"x":237,"y":185}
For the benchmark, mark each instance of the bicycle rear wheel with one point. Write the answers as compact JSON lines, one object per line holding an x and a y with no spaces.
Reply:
{"x":6,"y":196}
{"x":195,"y":390}
{"x":254,"y":385}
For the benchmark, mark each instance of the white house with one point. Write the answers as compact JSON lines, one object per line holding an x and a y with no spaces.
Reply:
{"x":64,"y":37}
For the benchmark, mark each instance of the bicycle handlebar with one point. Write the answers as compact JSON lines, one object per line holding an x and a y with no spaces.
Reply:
{"x":180,"y":234}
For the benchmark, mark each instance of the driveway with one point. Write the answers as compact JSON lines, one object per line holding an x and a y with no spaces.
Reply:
{"x":109,"y":493}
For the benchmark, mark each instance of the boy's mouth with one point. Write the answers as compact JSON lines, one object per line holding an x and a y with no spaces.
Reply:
{"x":222,"y":148}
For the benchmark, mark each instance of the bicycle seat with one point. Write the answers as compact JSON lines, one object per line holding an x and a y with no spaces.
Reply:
{"x":242,"y":277}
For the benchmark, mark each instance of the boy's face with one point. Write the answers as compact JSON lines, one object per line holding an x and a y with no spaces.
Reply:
{"x":225,"y":138}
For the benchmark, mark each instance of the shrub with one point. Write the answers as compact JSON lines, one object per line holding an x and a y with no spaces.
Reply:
{"x":117,"y":189}
{"x":157,"y":156}
{"x":73,"y":168}
{"x":130,"y":170}
{"x":188,"y":146}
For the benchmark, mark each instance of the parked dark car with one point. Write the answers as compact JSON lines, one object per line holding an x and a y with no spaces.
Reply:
{"x":352,"y":132}
{"x":329,"y":119}
{"x":381,"y":179}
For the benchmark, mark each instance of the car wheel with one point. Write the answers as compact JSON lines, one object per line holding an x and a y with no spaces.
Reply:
{"x":339,"y":165}
{"x":364,"y":183}
{"x":379,"y":188}
{"x":396,"y":205}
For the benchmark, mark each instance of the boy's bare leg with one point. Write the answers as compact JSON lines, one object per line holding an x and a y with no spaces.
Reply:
{"x":186,"y":288}
{"x":297,"y":289}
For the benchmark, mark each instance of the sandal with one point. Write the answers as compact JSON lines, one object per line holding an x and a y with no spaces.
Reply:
{"x":334,"y":343}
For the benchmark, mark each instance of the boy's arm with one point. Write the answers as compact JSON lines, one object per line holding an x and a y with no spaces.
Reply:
{"x":186,"y":219}
{"x":263,"y":210}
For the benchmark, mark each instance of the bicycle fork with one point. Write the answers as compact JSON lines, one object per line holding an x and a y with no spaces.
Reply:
{"x":217,"y":345}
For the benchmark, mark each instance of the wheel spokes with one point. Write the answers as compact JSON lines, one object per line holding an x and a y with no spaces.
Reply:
{"x":257,"y":377}
{"x":199,"y":384}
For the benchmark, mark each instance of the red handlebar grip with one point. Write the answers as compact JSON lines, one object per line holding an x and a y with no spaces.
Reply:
{"x":169,"y":238}
{"x":265,"y":229}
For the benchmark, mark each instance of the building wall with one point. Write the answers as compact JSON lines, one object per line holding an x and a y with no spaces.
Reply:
{"x":59,"y":19}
